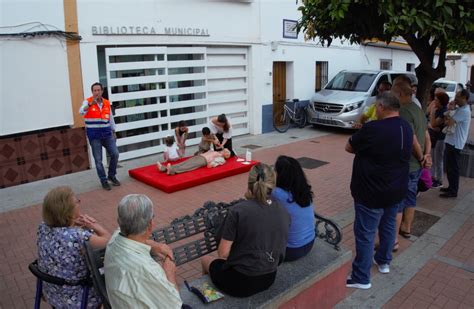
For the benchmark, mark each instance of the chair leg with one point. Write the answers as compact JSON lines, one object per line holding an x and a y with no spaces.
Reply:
{"x":85,"y":296}
{"x":39,"y":292}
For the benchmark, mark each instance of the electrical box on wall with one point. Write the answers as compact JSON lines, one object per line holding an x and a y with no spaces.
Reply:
{"x":274,"y":45}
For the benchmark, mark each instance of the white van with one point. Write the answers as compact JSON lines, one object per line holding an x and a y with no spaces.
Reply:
{"x":451,"y":87}
{"x":343,"y":100}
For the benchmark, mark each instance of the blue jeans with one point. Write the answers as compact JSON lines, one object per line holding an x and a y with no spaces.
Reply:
{"x":111,"y":148}
{"x":366,"y":222}
{"x":410,"y":199}
{"x":437,"y":169}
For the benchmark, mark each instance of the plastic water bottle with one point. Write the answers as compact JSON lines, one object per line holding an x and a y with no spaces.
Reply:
{"x":248,"y":156}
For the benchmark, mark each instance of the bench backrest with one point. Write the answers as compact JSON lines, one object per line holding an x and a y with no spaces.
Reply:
{"x":205,"y":220}
{"x":95,"y":264}
{"x":208,"y":219}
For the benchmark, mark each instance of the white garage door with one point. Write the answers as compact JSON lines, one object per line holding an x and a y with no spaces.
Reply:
{"x":153,"y":88}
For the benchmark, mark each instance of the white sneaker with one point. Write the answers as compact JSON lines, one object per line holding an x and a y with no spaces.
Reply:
{"x":352,"y":284}
{"x":383,"y":268}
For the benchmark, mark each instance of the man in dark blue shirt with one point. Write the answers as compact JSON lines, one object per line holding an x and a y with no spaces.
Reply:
{"x":379,"y":181}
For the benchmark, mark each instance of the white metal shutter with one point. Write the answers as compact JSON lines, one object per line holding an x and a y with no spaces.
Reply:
{"x":155,"y":87}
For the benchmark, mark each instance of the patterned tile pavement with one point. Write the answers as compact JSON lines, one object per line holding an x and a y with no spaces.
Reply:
{"x":332,"y":197}
{"x":436,"y":285}
{"x":17,"y":285}
{"x":443,"y":285}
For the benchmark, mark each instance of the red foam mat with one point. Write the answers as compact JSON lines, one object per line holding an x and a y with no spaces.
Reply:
{"x":170,"y":183}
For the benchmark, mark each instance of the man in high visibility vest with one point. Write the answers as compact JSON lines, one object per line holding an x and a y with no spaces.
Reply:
{"x":100,"y":128}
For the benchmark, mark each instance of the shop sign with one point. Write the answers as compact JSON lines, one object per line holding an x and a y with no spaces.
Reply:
{"x":148,"y":30}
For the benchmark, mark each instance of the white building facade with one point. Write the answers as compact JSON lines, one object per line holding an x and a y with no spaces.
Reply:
{"x":163,"y":61}
{"x":459,"y":67}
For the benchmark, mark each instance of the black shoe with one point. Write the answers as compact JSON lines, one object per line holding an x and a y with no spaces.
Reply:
{"x":114,"y":180}
{"x":106,"y":186}
{"x":445,"y":190}
{"x":448,"y":194}
{"x":437,"y":184}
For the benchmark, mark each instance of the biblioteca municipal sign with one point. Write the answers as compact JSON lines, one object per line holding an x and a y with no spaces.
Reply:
{"x":148,"y":30}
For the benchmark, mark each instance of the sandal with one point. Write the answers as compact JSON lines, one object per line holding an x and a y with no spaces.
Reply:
{"x":404,"y":234}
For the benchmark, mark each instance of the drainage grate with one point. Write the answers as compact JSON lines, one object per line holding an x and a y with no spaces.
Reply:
{"x":294,"y":137}
{"x":251,"y":146}
{"x":310,"y":163}
{"x":422,"y":223}
{"x":316,"y":142}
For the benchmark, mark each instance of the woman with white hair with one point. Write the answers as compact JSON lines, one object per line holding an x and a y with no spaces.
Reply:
{"x":254,"y":237}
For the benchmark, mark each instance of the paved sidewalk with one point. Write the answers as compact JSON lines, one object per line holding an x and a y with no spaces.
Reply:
{"x":447,"y":245}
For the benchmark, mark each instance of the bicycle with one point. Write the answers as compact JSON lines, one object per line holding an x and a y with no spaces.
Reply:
{"x":293,"y":111}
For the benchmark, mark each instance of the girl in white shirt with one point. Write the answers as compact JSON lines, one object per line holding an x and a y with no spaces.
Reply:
{"x":171,"y":152}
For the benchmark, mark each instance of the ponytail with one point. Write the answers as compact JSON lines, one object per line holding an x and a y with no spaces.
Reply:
{"x":260,"y":183}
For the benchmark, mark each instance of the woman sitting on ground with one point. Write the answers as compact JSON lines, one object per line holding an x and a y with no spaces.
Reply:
{"x":253,"y":241}
{"x":294,"y":193}
{"x":60,"y":243}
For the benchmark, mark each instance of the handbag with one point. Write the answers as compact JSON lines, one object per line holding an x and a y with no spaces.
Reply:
{"x":425,"y":181}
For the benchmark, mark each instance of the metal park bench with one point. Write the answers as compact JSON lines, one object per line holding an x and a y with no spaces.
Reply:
{"x":207,"y":220}
{"x":322,"y":270}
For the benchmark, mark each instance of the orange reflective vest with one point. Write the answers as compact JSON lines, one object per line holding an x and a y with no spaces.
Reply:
{"x":98,"y":120}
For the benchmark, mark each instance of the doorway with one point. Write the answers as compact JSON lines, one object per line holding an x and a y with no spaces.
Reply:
{"x":279,"y":86}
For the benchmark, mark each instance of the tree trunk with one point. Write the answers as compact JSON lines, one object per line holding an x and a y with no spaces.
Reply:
{"x":425,"y":80}
{"x":425,"y":49}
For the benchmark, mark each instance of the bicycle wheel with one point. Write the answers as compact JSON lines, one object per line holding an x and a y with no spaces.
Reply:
{"x":281,"y":121}
{"x":302,"y":119}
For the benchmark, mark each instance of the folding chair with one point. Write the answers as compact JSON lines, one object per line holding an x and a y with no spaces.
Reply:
{"x":42,"y":276}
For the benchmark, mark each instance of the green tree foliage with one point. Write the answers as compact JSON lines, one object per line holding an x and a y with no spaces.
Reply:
{"x":430,"y":27}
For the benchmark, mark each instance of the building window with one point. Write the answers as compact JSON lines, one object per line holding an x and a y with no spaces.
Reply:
{"x":385,"y":64}
{"x":321,"y":75}
{"x":410,"y":67}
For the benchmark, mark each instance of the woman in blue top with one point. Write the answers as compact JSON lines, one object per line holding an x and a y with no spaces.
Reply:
{"x":294,"y":193}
